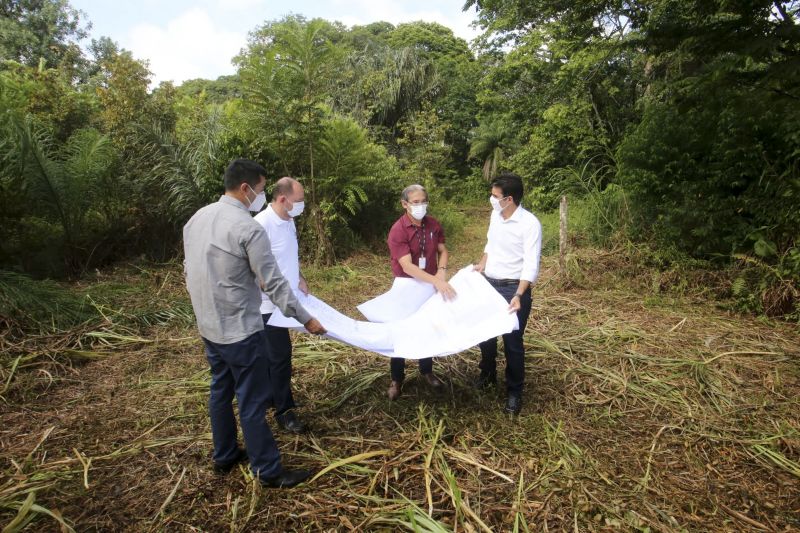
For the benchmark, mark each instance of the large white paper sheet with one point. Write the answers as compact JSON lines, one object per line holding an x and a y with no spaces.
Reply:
{"x":401,"y":301}
{"x":441,"y":328}
{"x":435,"y":329}
{"x":367,"y":335}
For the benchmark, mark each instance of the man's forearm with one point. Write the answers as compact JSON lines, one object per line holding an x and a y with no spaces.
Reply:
{"x":417,"y":273}
{"x":272,"y":282}
{"x":442,"y":259}
{"x":523,"y":286}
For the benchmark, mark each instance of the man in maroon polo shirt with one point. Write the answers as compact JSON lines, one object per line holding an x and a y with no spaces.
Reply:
{"x":416,"y":246}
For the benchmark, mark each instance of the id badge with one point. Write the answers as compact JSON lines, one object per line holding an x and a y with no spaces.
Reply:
{"x":422,"y":263}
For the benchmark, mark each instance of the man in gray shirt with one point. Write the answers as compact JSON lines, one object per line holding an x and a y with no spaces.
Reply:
{"x":228,"y":259}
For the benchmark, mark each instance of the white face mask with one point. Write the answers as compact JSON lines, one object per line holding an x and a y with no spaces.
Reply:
{"x":296,"y":209}
{"x":418,"y":211}
{"x":496,"y":204}
{"x":258,"y":202}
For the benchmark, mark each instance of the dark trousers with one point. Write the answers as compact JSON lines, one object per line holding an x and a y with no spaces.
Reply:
{"x":397,"y":366}
{"x":239,"y":368}
{"x":512,"y":343}
{"x":279,"y":355}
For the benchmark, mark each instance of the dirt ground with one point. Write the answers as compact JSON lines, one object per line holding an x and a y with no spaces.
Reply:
{"x":645,"y":409}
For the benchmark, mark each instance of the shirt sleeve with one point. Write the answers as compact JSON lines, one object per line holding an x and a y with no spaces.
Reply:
{"x":269,"y":276}
{"x":441,"y":233}
{"x":531,"y":249}
{"x":398,"y":244}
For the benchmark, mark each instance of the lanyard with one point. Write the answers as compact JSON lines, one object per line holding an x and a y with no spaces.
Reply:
{"x":421,"y":238}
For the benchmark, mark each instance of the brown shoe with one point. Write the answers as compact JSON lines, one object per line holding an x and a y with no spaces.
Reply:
{"x":434,"y":382}
{"x":394,"y":390}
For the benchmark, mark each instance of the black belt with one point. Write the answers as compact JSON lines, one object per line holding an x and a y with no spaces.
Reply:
{"x":502,"y":282}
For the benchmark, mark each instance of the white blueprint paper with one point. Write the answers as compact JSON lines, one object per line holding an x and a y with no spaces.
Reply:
{"x":436,"y":329}
{"x":367,"y":335}
{"x":441,"y":328}
{"x":401,"y":301}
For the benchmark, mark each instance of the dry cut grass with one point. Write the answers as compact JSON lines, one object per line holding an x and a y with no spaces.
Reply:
{"x":644,"y":411}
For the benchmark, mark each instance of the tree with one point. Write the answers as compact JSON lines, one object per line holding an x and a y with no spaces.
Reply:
{"x":429,"y":39}
{"x":713,"y":165}
{"x":51,"y":98}
{"x":286,"y":74}
{"x":217,"y":91}
{"x":457,"y":72}
{"x":489,"y":143}
{"x":691,"y":106}
{"x":47,"y":31}
{"x":568,"y":88}
{"x":123,"y":93}
{"x":426,"y":154}
{"x":352,"y":172}
{"x":186,"y":167}
{"x":407,"y":81}
{"x":71,"y":186}
{"x":511,"y":21}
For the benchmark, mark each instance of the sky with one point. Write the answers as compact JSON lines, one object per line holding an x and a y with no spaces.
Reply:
{"x":186,"y":39}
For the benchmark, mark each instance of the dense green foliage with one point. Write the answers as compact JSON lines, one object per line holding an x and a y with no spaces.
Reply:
{"x":687,"y":110}
{"x":94,"y":163}
{"x":676,"y":123}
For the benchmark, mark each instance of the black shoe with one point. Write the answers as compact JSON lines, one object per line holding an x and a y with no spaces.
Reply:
{"x":514,"y":404}
{"x":288,"y":421}
{"x":224,"y":468}
{"x":486,"y":380}
{"x":286,"y":479}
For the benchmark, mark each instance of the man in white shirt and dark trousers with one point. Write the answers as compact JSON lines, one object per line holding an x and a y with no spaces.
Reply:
{"x":510,"y":263}
{"x":278,"y":221}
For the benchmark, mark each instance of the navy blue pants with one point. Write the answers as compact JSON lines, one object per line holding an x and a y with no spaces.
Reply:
{"x":239,"y":368}
{"x":397,"y":367}
{"x":512,"y":343}
{"x":279,"y":355}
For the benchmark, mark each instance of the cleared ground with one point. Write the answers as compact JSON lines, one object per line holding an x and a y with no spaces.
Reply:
{"x":645,"y":409}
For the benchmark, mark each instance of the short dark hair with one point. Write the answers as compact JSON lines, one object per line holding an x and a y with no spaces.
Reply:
{"x":511,"y":185}
{"x":243,"y":171}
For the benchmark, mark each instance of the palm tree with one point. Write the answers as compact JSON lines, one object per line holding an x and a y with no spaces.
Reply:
{"x":408,"y":81}
{"x":381,"y":86}
{"x":67,"y":181}
{"x":489,"y":142}
{"x":187,"y":172}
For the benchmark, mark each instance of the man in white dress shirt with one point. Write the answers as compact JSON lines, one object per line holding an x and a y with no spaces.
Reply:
{"x":278,"y":221}
{"x":510,"y":263}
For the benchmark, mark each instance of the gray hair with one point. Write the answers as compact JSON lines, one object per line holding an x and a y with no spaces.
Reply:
{"x":413,"y":188}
